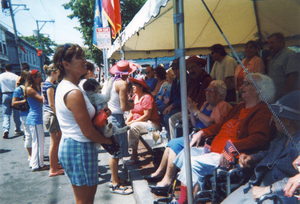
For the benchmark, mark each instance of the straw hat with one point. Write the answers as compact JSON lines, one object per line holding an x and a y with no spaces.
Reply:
{"x":140,"y":81}
{"x":124,"y":67}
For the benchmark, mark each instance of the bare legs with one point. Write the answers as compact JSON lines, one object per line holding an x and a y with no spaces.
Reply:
{"x":113,"y":164}
{"x":166,"y":168}
{"x":53,"y":150}
{"x":84,"y":194}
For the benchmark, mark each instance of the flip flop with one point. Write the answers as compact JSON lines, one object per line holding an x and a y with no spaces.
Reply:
{"x":121,"y":190}
{"x":121,"y":182}
{"x":61,"y":172}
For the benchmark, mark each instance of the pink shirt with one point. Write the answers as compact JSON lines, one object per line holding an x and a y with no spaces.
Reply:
{"x":145,"y":103}
{"x":255,"y":65}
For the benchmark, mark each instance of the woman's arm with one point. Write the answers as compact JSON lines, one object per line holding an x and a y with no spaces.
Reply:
{"x":16,"y":102}
{"x":75,"y":102}
{"x":129,"y":118}
{"x":143,"y":118}
{"x":50,"y":96}
{"x":33,"y":94}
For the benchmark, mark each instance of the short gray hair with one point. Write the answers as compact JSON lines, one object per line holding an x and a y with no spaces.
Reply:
{"x":265,"y":84}
{"x":221,"y":88}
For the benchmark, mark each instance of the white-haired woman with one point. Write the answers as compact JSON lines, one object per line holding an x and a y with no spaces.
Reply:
{"x":210,"y":113}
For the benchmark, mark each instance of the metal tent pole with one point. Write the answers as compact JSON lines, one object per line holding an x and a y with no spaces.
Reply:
{"x":180,"y":52}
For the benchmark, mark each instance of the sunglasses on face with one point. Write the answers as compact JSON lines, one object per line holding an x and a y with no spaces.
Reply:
{"x":212,"y":53}
{"x":148,"y":72}
{"x":209,"y":90}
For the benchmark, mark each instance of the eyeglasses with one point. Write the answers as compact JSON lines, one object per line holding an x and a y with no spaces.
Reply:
{"x":246,"y":83}
{"x":148,"y":72}
{"x":212,"y":53}
{"x":209,"y":90}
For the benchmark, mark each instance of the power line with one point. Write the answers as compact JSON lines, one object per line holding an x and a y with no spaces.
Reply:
{"x":51,"y":17}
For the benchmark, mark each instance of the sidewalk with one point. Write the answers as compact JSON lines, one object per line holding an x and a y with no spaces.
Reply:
{"x":18,"y":184}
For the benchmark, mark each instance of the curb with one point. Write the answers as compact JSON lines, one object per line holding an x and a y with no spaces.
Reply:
{"x":142,"y":193}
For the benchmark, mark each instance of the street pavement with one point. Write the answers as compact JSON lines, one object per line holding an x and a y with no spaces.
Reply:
{"x":18,"y":184}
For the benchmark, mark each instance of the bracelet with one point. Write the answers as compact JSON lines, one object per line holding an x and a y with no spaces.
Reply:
{"x":195,"y":114}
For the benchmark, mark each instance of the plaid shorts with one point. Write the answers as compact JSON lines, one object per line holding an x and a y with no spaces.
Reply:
{"x":80,"y":161}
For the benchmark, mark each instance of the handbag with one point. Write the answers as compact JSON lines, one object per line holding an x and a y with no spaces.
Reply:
{"x":25,"y":106}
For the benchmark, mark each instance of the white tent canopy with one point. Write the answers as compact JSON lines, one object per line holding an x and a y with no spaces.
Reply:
{"x":150,"y":34}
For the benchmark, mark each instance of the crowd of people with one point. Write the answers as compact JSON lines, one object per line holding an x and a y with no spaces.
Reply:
{"x":153,"y":101}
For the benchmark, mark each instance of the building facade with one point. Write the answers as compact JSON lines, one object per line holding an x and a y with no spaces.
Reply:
{"x":9,"y":52}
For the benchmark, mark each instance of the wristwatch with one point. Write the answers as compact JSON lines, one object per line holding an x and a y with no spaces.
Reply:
{"x":196,"y":113}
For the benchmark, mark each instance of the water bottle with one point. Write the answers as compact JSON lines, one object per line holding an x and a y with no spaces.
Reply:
{"x":150,"y":129}
{"x":163,"y":135}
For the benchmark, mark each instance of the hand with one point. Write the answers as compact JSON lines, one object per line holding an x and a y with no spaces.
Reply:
{"x":245,"y":160}
{"x":296,"y":163}
{"x":196,"y":138}
{"x":192,"y":106}
{"x":107,"y":111}
{"x":224,"y":163}
{"x":129,"y":122}
{"x":160,"y":97}
{"x":292,"y":185}
{"x":166,"y":100}
{"x":168,"y":109}
{"x":258,"y":191}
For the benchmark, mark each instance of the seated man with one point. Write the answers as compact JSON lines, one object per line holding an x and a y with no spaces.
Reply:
{"x":247,"y":125}
{"x":211,"y":112}
{"x":274,"y":166}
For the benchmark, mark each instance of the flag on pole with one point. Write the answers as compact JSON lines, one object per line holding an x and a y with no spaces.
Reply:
{"x":229,"y":150}
{"x":97,"y":20}
{"x":111,"y":10}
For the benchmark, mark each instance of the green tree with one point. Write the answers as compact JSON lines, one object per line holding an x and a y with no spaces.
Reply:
{"x":84,"y":11}
{"x":47,"y":43}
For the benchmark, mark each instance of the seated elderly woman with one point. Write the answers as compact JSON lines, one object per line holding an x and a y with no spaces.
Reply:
{"x":211,"y":112}
{"x":247,"y":125}
{"x":143,"y":115}
{"x":274,"y":166}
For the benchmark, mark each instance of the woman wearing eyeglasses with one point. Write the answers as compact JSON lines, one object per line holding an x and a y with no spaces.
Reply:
{"x":35,"y":119}
{"x":77,"y":153}
{"x":211,"y":112}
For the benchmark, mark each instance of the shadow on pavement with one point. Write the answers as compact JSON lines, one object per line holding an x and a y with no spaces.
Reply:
{"x":4,"y":150}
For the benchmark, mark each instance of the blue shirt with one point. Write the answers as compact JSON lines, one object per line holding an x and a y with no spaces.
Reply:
{"x":19,"y":93}
{"x":46,"y":86}
{"x":35,"y":115}
{"x":206,"y":112}
{"x":151,"y":83}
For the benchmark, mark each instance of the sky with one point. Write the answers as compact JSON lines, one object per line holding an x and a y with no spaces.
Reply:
{"x":61,"y":31}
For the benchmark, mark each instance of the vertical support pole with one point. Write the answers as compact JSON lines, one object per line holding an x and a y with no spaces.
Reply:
{"x":180,"y":53}
{"x":17,"y":41}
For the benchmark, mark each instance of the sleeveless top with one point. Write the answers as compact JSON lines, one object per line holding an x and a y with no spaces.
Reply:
{"x":67,"y":122}
{"x":35,"y":115}
{"x":206,"y":112}
{"x":114,"y":103}
{"x":46,"y":86}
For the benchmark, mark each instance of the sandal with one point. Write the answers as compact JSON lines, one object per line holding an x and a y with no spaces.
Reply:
{"x":118,"y":189}
{"x":121,"y":182}
{"x":131,"y":161}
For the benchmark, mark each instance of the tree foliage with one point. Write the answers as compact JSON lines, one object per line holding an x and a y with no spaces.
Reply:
{"x":84,"y":11}
{"x":47,"y":43}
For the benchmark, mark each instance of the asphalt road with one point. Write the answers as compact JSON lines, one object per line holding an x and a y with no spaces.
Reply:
{"x":18,"y":184}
